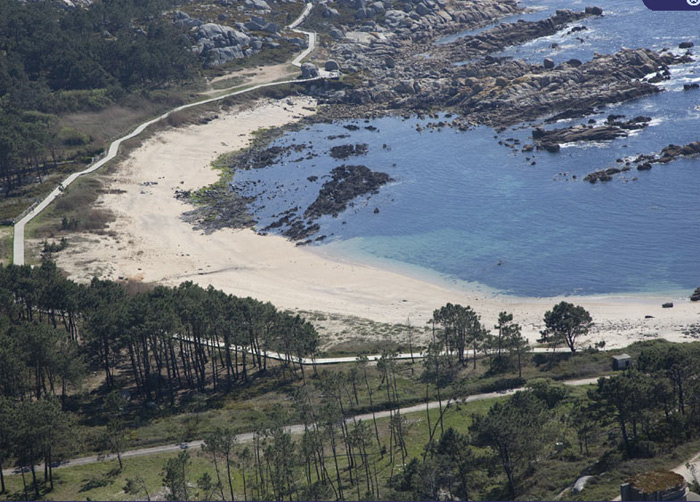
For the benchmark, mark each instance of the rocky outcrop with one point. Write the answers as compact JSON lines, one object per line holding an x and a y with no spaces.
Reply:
{"x":331,"y":65}
{"x":309,"y":70}
{"x":610,"y":130}
{"x":220,"y":44}
{"x":509,"y":34}
{"x":604,"y":174}
{"x":345,"y":151}
{"x":536,"y":92}
{"x":645,"y":162}
{"x":183,"y":19}
{"x":260,"y":5}
{"x":346,"y":183}
{"x":400,"y":73}
{"x":673,"y":152}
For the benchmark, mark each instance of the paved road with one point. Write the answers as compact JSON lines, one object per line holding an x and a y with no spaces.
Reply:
{"x":293,"y":429}
{"x":18,"y":242}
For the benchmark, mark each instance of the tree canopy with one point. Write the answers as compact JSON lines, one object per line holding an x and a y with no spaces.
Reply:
{"x":565,"y":323}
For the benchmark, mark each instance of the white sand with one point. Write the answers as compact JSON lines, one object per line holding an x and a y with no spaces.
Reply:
{"x":153,"y":244}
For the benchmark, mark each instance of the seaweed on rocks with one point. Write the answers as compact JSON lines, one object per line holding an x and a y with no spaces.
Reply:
{"x":346,"y":183}
{"x":345,"y":151}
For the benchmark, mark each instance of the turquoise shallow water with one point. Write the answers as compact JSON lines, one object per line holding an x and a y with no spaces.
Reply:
{"x":468,"y":208}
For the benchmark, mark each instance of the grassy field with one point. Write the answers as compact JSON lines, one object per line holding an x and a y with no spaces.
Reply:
{"x":104,"y":480}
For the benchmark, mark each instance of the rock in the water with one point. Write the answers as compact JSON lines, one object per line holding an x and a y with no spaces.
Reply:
{"x":548,"y":63}
{"x":331,"y":65}
{"x":309,"y":70}
{"x":347,"y":182}
{"x":695,"y":297}
{"x":549,"y":147}
{"x":686,"y":45}
{"x":595,"y":11}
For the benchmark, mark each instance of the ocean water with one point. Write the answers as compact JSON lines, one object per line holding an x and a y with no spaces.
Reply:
{"x":466,"y":208}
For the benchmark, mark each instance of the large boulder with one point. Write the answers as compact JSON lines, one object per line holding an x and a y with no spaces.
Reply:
{"x":257,"y":4}
{"x":329,"y":12}
{"x":548,"y":63}
{"x":336,"y":34}
{"x":212,"y":35}
{"x":378,"y":7}
{"x":309,"y":70}
{"x":331,"y":65}
{"x":221,"y":44}
{"x":364,"y":13}
{"x":422,"y":10}
{"x":222,"y":55}
{"x":406,"y":86}
{"x":254,"y":26}
{"x":272,"y":28}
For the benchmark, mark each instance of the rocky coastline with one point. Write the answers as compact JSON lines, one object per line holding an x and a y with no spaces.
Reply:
{"x":391,"y":64}
{"x":613,"y":128}
{"x":645,"y":162}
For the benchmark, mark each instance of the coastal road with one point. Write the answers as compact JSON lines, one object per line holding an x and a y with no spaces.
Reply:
{"x":18,"y":245}
{"x":293,"y":429}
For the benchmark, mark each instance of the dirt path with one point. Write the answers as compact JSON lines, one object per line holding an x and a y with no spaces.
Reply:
{"x":19,"y":244}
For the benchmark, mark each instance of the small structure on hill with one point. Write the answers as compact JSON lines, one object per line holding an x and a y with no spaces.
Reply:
{"x":655,"y":485}
{"x":622,"y":362}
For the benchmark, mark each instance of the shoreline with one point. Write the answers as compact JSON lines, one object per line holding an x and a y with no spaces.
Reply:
{"x":149,"y":241}
{"x":334,"y":251}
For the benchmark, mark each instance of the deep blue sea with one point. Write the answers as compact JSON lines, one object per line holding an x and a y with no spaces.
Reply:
{"x":469,"y":209}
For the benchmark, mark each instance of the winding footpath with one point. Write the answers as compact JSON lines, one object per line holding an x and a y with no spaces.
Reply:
{"x":292,"y":429}
{"x":18,"y":245}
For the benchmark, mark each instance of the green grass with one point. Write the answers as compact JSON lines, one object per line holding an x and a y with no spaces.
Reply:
{"x":552,"y":475}
{"x":104,"y":480}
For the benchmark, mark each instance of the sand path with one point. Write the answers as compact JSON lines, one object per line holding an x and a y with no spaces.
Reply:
{"x":153,"y":244}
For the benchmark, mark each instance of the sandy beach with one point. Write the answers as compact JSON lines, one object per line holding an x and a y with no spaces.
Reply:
{"x":150,"y":242}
